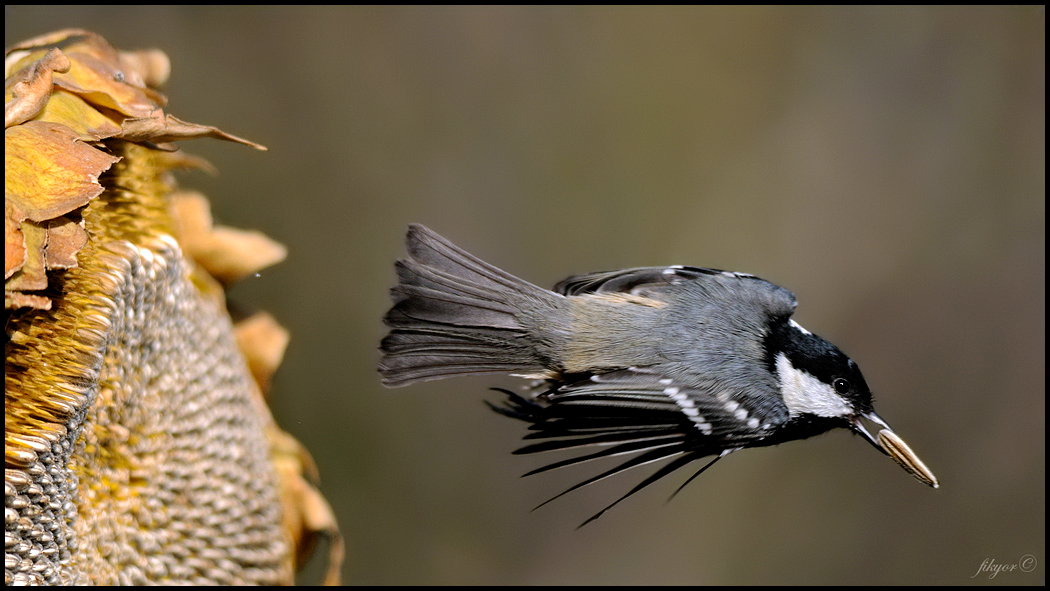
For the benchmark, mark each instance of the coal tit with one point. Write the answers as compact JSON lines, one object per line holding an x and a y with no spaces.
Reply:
{"x":677,"y":363}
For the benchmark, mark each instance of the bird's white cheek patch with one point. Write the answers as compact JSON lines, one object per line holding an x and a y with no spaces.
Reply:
{"x":804,"y":393}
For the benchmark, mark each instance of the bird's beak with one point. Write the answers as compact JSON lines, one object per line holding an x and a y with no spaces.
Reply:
{"x":890,"y":444}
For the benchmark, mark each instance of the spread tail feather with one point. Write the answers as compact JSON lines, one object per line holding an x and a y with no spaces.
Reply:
{"x":455,"y":314}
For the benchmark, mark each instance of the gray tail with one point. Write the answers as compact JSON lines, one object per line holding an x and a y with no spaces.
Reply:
{"x":455,"y":314}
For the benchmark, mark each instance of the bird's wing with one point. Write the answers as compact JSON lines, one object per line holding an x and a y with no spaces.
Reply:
{"x":712,"y":335}
{"x":654,"y":282}
{"x":636,"y":412}
{"x":635,"y":280}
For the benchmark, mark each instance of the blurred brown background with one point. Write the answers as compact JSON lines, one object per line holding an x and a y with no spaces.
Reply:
{"x":885,"y":164}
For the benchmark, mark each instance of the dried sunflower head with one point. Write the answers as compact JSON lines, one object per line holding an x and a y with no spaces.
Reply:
{"x":138,"y":447}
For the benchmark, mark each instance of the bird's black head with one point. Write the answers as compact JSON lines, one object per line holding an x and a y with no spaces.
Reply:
{"x":815,"y":377}
{"x":824,"y":389}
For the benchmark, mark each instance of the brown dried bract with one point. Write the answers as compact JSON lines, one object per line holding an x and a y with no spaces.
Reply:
{"x":228,"y":254}
{"x":48,"y":173}
{"x":160,"y":129}
{"x":66,"y":94}
{"x":308,"y":517}
{"x":65,"y":238}
{"x":262,"y":341}
{"x":30,"y":92}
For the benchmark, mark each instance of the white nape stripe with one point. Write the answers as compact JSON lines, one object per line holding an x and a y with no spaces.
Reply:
{"x":799,"y":326}
{"x":804,"y":393}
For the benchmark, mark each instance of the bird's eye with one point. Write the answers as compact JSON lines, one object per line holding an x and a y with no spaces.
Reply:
{"x":841,"y":386}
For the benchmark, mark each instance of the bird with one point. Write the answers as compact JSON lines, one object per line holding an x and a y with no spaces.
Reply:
{"x":673,"y":363}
